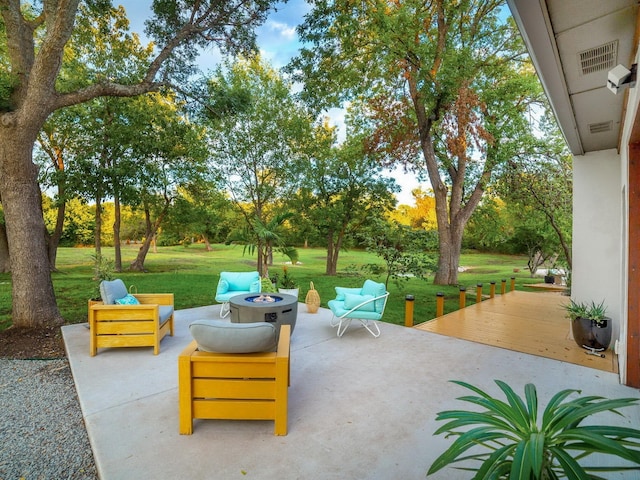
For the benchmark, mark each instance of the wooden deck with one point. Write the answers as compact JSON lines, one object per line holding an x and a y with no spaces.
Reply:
{"x":527,"y":322}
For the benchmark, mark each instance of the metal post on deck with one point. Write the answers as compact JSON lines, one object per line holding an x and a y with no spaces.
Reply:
{"x":408,"y":310}
{"x":439,"y":304}
{"x":503,"y":287}
{"x":492,"y":290}
{"x":478,"y":293}
{"x":463,"y":298}
{"x":513,"y":283}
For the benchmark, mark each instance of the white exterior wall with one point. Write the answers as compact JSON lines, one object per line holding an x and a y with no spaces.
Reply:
{"x":598,"y":253}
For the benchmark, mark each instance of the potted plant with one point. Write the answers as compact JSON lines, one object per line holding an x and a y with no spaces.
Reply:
{"x":590,"y":325}
{"x":549,"y":277}
{"x":287,"y":284}
{"x":103,"y":269}
{"x":511,"y":441}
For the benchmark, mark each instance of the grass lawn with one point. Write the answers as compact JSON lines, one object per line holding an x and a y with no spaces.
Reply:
{"x":191,"y":273}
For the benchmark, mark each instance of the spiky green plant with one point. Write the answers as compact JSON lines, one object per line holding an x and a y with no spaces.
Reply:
{"x":595,"y":312}
{"x":518,"y":447}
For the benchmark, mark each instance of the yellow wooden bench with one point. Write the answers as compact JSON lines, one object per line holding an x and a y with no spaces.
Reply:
{"x":130,"y":325}
{"x":234,"y":386}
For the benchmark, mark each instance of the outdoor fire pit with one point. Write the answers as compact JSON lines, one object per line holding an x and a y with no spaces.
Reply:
{"x":277,"y":308}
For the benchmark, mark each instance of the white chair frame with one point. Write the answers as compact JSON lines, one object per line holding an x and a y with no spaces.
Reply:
{"x":343,"y":321}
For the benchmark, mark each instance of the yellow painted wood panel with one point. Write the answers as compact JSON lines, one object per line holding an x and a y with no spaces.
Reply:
{"x":235,"y":388}
{"x":126,"y":327}
{"x":129,"y":314}
{"x":234,"y":409}
{"x":527,"y":322}
{"x":231,"y":370}
{"x":105,"y":341}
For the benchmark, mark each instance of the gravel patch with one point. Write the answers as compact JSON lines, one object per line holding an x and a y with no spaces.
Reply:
{"x":42,"y":432}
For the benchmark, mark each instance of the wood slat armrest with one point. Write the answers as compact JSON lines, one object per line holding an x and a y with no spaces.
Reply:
{"x":159,"y":298}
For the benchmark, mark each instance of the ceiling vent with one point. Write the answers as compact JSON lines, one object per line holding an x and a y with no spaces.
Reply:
{"x":600,"y":127}
{"x":599,"y":58}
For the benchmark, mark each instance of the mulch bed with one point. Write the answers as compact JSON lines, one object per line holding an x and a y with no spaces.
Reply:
{"x":32,"y":343}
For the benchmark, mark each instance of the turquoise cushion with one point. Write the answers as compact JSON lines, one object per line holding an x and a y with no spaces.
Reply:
{"x":377,"y":290}
{"x":225,"y":337}
{"x":339,"y":310}
{"x":241,"y":280}
{"x":352,"y":301}
{"x":223,"y":286}
{"x":341,"y":291}
{"x":127,"y":300}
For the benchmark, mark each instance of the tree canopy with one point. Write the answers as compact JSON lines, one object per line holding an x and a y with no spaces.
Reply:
{"x":445,"y":87}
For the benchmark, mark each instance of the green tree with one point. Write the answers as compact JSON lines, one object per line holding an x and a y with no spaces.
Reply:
{"x":401,"y":248}
{"x":33,"y":40}
{"x":257,"y":135}
{"x":445,"y":85}
{"x":343,"y":190}
{"x":542,"y":178}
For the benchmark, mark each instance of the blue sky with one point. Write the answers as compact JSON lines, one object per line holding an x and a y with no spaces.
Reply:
{"x":278,"y":43}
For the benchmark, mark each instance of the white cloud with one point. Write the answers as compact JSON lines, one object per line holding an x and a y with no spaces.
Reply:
{"x":288,"y":32}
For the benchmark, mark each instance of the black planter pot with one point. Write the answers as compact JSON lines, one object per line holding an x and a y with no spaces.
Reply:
{"x":588,"y":334}
{"x":549,"y":279}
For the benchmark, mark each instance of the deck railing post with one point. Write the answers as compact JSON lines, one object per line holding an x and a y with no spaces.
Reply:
{"x":513,"y":283}
{"x":478,"y":293}
{"x":408,"y":310}
{"x":492,"y":289}
{"x":462,"y":302}
{"x":503,"y":287}
{"x":439,"y":304}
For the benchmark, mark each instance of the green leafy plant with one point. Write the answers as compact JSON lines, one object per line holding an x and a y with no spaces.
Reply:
{"x":103,"y":269}
{"x":287,"y":281}
{"x":592,"y":311}
{"x":267,"y":285}
{"x":518,"y":446}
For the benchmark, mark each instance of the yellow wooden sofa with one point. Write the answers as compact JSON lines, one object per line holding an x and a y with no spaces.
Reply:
{"x":129,"y":325}
{"x":235,"y":386}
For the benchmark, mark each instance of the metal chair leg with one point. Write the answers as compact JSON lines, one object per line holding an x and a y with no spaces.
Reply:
{"x":374,"y":324}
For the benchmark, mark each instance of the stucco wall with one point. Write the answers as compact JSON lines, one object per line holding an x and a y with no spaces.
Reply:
{"x":597,"y":232}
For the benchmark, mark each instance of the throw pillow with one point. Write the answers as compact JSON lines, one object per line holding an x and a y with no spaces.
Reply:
{"x":352,"y":301}
{"x":341,"y":291}
{"x":127,"y":300}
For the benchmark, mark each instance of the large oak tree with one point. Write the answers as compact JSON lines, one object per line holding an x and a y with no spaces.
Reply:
{"x":32,"y":42}
{"x":446,"y":85}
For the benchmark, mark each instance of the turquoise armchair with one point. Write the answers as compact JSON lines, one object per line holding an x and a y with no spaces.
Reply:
{"x":235,"y":283}
{"x":365,"y":304}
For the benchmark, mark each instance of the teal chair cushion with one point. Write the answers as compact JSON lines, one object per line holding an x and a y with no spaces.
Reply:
{"x":237,"y":283}
{"x":352,"y":301}
{"x":376,"y":290}
{"x":342,"y":291}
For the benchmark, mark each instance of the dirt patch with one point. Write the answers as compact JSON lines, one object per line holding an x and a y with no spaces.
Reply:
{"x":31,"y":343}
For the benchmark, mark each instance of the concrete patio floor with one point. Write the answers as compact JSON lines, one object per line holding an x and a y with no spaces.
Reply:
{"x":359,"y":407}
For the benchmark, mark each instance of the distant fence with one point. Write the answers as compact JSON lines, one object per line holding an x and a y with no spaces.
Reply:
{"x":462,"y":300}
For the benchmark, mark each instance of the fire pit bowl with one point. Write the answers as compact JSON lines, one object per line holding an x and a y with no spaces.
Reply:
{"x":280,"y":309}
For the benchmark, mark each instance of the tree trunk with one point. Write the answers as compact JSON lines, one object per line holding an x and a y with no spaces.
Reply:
{"x":207,"y":243}
{"x":54,"y":239}
{"x":150,"y":234}
{"x":333,"y":251}
{"x":98,"y":228}
{"x":5,"y":265}
{"x":34,"y":302}
{"x":116,"y":234}
{"x":330,"y":266}
{"x":450,"y":244}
